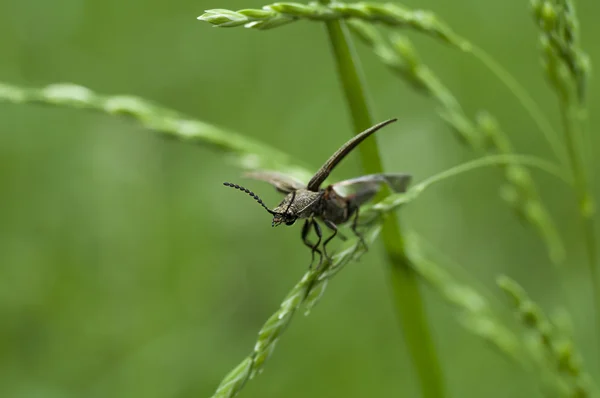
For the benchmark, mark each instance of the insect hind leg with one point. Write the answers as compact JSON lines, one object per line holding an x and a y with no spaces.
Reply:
{"x":354,"y":229}
{"x":334,"y":228}
{"x":313,"y":246}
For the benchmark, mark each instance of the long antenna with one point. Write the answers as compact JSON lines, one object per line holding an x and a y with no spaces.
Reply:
{"x":249,"y":192}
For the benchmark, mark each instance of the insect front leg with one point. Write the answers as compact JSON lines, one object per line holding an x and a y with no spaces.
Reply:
{"x":313,"y":247}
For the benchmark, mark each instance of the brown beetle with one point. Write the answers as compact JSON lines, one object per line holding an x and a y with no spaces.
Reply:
{"x":334,"y":205}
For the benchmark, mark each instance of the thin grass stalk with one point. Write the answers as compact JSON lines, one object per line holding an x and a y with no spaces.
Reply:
{"x":408,"y":300}
{"x":239,"y":150}
{"x":567,"y":69}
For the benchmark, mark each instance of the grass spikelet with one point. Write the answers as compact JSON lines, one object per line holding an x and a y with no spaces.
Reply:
{"x":567,"y":68}
{"x":244,"y":152}
{"x":385,"y":13}
{"x":475,"y":311}
{"x":559,"y":36}
{"x":555,"y":351}
{"x":520,"y":191}
{"x":305,"y":293}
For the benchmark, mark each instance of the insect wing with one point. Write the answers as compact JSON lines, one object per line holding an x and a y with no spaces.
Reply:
{"x":281,"y":182}
{"x":362,"y":189}
{"x":315,"y":183}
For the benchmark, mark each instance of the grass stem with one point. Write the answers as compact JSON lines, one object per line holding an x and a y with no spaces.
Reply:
{"x":572,"y":131}
{"x":408,"y":300}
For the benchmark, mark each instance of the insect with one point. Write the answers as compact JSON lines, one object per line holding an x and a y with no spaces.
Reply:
{"x":334,"y":205}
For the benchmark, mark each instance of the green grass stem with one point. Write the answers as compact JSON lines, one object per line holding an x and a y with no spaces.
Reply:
{"x":408,"y":300}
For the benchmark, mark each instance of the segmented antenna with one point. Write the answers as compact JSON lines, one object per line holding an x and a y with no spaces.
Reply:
{"x":249,"y":192}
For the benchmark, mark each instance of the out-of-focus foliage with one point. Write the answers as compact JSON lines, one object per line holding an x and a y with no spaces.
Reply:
{"x":128,"y":270}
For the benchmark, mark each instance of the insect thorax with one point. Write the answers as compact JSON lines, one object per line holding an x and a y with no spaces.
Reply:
{"x":303,"y":205}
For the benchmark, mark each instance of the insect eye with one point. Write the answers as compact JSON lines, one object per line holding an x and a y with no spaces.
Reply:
{"x":290,"y":222}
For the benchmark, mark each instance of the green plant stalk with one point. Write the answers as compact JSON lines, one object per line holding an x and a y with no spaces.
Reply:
{"x":408,"y":300}
{"x":572,"y":123}
{"x":567,"y":68}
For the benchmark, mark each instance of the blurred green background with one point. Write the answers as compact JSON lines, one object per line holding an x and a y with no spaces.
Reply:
{"x":128,"y":270}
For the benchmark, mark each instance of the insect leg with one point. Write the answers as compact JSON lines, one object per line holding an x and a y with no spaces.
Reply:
{"x":314,"y":247}
{"x":320,"y":235}
{"x":333,"y":227}
{"x":353,"y":227}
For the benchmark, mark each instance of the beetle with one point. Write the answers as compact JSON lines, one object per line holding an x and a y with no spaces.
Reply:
{"x":335,"y":204}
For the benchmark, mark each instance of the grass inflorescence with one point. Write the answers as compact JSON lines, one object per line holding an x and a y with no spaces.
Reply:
{"x":475,"y":309}
{"x":567,"y":68}
{"x":277,"y":14}
{"x":549,"y":345}
{"x":244,"y":152}
{"x":482,"y":135}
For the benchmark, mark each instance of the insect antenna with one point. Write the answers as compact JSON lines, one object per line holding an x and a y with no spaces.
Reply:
{"x":249,"y":192}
